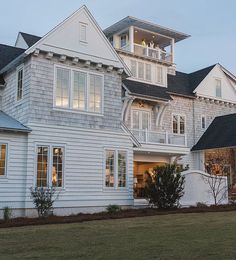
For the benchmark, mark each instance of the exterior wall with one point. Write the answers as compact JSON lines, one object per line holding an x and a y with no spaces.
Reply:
{"x":13,"y":185}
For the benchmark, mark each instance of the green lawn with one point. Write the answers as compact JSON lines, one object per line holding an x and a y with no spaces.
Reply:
{"x":189,"y":236}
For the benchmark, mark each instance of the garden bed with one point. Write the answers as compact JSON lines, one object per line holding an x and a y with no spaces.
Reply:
{"x":128,"y":213}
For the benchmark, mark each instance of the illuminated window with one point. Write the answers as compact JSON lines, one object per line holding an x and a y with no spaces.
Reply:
{"x":3,"y":158}
{"x":178,"y":124}
{"x":116,"y":169}
{"x":79,"y":90}
{"x":20,"y":74}
{"x":50,"y":169}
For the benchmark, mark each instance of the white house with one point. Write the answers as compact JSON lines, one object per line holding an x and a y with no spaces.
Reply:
{"x":89,"y":116}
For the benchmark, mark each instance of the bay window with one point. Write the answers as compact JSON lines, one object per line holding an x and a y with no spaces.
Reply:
{"x":79,"y":90}
{"x":50,"y":165}
{"x":3,"y":158}
{"x":178,"y":124}
{"x":116,"y":169}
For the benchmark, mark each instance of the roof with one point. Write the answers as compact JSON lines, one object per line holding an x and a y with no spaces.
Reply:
{"x":184,"y":84}
{"x":143,"y":89}
{"x":132,"y":21}
{"x":220,"y":134}
{"x":8,"y":54}
{"x":2,"y":81}
{"x":8,"y":123}
{"x":30,"y":39}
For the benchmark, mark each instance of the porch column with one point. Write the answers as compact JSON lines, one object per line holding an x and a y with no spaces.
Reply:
{"x":131,"y":38}
{"x":172,"y":50}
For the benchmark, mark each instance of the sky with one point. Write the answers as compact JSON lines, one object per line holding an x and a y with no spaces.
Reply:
{"x":211,"y":24}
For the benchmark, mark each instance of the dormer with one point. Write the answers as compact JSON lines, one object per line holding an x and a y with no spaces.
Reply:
{"x":141,"y":39}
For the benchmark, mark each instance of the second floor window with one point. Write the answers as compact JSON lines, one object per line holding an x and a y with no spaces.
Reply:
{"x":178,"y":124}
{"x":79,"y":90}
{"x":159,"y":71}
{"x":20,"y":74}
{"x":123,"y":40}
{"x":203,"y":122}
{"x":218,"y":88}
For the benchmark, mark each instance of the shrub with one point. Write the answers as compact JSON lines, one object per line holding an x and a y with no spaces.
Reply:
{"x":201,"y":205}
{"x":43,"y":200}
{"x":164,"y":186}
{"x":113,"y":209}
{"x":6,"y":214}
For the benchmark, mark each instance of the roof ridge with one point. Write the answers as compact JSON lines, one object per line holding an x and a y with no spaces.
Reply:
{"x":30,"y":34}
{"x":208,"y":67}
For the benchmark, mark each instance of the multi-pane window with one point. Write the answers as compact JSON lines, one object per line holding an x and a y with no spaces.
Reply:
{"x":140,"y":119}
{"x":79,"y":90}
{"x":42,"y":166}
{"x":95,"y":93}
{"x":116,"y":169}
{"x":134,"y":68}
{"x":203,"y":122}
{"x":122,"y":169}
{"x":148,"y":72}
{"x":140,"y":70}
{"x":57,"y":169}
{"x":83,"y":32}
{"x":3,"y":157}
{"x":79,"y":95}
{"x":178,"y":124}
{"x":218,"y":88}
{"x":63,"y":86}
{"x":110,"y":168}
{"x":159,"y":74}
{"x":20,"y":84}
{"x":50,"y":162}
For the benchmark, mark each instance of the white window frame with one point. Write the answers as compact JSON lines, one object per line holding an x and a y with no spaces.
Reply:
{"x":2,"y":177}
{"x":203,"y":116}
{"x":50,"y":163}
{"x":216,"y":87}
{"x":140,"y":111}
{"x":161,"y":81}
{"x":116,"y":150}
{"x":21,"y":67}
{"x":70,"y":108}
{"x":83,"y":26}
{"x":178,"y":123}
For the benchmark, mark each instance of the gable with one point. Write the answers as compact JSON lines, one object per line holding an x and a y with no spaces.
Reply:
{"x":20,"y":42}
{"x":65,"y":40}
{"x":207,"y":88}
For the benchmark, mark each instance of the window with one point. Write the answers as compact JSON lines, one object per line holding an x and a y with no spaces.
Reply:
{"x":3,"y":158}
{"x":140,"y":70}
{"x":20,"y":83}
{"x":148,"y":72}
{"x":218,"y":88}
{"x":83,"y":32}
{"x":111,"y":40}
{"x":203,"y":122}
{"x":123,"y":40}
{"x":55,"y":174}
{"x":140,"y":119}
{"x":78,"y":90}
{"x":159,"y":75}
{"x":95,"y":93}
{"x":178,"y":124}
{"x":116,"y":169}
{"x":134,"y":68}
{"x":63,"y":85}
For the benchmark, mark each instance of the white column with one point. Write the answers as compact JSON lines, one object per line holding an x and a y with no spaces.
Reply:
{"x":131,"y":38}
{"x":116,"y":41}
{"x":172,"y":50}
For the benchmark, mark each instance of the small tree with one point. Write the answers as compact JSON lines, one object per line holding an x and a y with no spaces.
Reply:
{"x":43,"y":200}
{"x":215,"y":167}
{"x":164,"y":186}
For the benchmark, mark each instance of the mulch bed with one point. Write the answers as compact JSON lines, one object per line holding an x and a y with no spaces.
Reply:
{"x":129,"y":213}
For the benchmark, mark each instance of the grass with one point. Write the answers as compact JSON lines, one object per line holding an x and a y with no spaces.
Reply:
{"x":182,"y":236}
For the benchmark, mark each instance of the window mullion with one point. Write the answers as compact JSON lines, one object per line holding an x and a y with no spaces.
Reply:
{"x":49,"y":173}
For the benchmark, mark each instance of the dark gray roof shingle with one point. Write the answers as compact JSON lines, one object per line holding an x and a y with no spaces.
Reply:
{"x":147,"y":90}
{"x":8,"y":123}
{"x":8,"y":54}
{"x":30,"y":39}
{"x":220,"y":134}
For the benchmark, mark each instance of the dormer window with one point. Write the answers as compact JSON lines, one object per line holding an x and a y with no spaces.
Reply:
{"x":218,"y":88}
{"x":83,"y":32}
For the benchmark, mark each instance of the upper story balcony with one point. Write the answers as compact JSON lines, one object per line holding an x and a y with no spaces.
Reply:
{"x":143,"y":39}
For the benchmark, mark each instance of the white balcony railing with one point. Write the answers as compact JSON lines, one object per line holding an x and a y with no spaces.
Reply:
{"x":152,"y":137}
{"x":155,"y":53}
